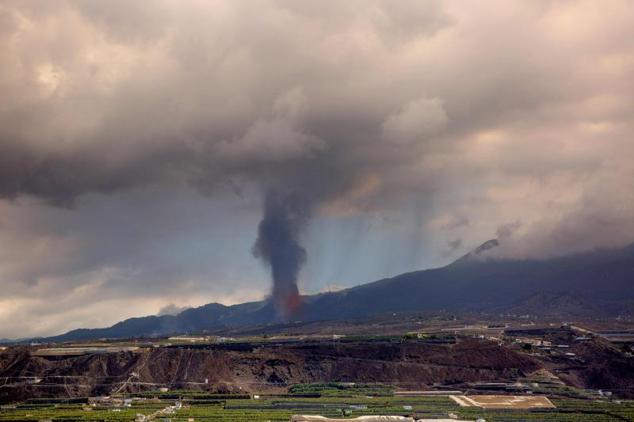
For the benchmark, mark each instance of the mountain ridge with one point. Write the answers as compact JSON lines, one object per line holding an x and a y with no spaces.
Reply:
{"x":599,"y":281}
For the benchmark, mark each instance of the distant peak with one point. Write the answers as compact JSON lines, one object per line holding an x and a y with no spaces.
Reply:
{"x":488,"y":245}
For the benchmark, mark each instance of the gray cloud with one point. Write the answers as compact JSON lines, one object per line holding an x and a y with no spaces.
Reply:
{"x":125,"y":128}
{"x":172,"y":309}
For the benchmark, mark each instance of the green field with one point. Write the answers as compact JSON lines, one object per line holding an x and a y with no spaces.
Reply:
{"x":334,"y":400}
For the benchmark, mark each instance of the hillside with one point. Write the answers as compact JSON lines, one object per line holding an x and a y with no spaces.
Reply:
{"x":593,"y":283}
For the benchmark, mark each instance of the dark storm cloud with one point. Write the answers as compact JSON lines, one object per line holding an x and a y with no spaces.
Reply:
{"x":467,"y":116}
{"x":220,"y":91}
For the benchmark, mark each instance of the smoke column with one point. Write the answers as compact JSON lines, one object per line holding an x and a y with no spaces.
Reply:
{"x":278,"y":246}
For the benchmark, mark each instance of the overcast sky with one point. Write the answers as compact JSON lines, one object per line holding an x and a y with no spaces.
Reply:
{"x":138,"y":138}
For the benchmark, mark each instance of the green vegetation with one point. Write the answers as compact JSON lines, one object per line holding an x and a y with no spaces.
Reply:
{"x":191,"y":395}
{"x":335,"y":389}
{"x":331,"y":399}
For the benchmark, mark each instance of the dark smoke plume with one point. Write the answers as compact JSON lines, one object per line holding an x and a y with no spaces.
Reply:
{"x":278,"y":245}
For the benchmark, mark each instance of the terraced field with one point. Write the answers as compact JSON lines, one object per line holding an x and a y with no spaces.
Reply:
{"x":325,"y":399}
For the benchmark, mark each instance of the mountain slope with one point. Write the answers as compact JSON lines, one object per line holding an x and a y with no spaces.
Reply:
{"x":599,"y":281}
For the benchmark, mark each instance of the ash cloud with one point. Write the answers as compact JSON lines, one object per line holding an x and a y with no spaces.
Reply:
{"x":278,"y":245}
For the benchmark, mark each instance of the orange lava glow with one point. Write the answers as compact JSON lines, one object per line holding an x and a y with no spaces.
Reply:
{"x":290,"y":304}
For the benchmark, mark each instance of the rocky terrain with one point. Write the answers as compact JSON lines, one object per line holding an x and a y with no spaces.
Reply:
{"x":245,"y":367}
{"x":273,"y":366}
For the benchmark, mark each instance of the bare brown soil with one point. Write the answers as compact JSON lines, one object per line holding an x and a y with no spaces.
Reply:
{"x":504,"y":401}
{"x":273,"y":366}
{"x":258,"y":367}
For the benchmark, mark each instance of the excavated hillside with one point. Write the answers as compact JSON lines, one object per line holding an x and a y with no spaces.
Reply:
{"x":256,"y":367}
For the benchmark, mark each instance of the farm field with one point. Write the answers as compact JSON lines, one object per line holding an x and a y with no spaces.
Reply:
{"x":504,"y":401}
{"x":328,"y":400}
